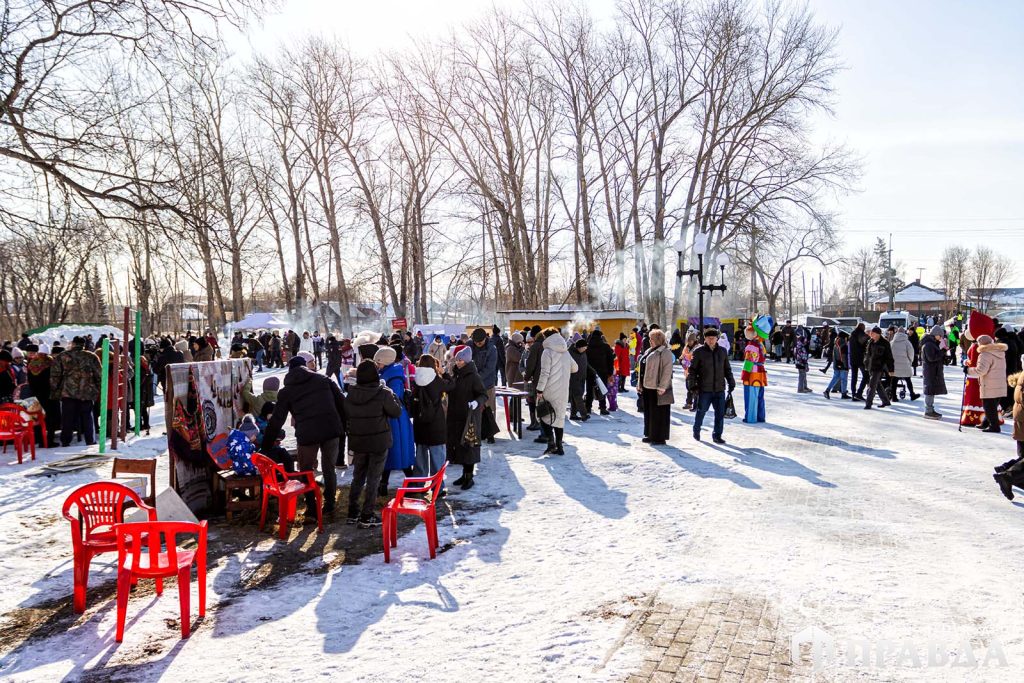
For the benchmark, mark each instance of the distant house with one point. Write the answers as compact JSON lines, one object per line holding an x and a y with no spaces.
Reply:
{"x":915,"y":298}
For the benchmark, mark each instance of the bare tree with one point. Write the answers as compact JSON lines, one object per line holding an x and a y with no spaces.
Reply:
{"x":988,"y":271}
{"x":955,"y":272}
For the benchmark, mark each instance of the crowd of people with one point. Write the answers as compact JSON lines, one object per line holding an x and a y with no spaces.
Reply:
{"x":384,"y":403}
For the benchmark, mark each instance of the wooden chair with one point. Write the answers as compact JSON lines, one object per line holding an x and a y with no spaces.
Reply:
{"x":234,"y":485}
{"x":126,"y":465}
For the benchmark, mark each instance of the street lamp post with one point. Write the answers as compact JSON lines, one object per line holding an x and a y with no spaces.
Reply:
{"x":700,"y":247}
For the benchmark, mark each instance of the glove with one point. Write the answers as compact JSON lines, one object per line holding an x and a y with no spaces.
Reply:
{"x":473,"y":405}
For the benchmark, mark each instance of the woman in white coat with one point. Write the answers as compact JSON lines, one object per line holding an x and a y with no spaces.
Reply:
{"x":553,"y":386}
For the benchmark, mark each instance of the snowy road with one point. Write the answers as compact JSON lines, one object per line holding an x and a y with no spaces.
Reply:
{"x":880,"y":528}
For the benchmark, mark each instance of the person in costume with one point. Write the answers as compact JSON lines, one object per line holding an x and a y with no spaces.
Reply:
{"x":972,"y":412}
{"x":754,"y":376}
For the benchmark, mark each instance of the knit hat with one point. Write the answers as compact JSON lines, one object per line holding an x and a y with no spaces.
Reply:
{"x":297,"y":362}
{"x":479,"y":335}
{"x":248,"y":427}
{"x":984,"y":339}
{"x":366,"y":373}
{"x":876,"y":329}
{"x":17,"y":353}
{"x":463,"y":353}
{"x":366,"y":351}
{"x":6,"y":355}
{"x":272,"y":384}
{"x":308,"y":356}
{"x":516,"y":338}
{"x":581,"y":344}
{"x":385,"y":356}
{"x":938,"y":329}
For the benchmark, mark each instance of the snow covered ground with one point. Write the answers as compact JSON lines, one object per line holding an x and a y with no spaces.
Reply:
{"x":879,"y":528}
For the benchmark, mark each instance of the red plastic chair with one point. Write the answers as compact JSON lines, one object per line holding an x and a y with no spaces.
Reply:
{"x":285,"y":487}
{"x":100,"y":506}
{"x":32,"y":420}
{"x":401,"y":504}
{"x":133,"y":565}
{"x":15,"y":429}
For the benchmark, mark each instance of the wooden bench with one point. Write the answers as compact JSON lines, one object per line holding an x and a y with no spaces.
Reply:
{"x":234,"y":486}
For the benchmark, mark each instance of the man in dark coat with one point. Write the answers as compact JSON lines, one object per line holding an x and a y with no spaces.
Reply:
{"x":858,"y":343}
{"x":168,"y":356}
{"x":602,"y":361}
{"x":75,"y":381}
{"x":934,"y":361}
{"x":788,"y":341}
{"x":578,"y":408}
{"x":710,"y":375}
{"x":318,"y":407}
{"x":368,"y":409}
{"x":877,"y":360}
{"x":485,"y":357}
{"x":499,"y":346}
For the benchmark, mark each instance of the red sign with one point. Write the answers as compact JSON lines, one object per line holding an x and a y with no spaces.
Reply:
{"x":399,"y":323}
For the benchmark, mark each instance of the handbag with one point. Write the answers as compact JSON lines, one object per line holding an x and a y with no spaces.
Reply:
{"x":730,"y":407}
{"x":545,"y":410}
{"x":471,"y":434}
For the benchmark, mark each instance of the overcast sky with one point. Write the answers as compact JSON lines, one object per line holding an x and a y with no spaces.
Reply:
{"x":932,"y":99}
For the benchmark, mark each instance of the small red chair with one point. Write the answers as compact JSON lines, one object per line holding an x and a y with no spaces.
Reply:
{"x":100,"y":506}
{"x":15,"y":429}
{"x":424,"y":508}
{"x":31,"y":419}
{"x":133,"y":565}
{"x":285,"y":487}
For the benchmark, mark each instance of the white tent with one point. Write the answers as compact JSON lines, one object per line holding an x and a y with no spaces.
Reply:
{"x":261,"y":321}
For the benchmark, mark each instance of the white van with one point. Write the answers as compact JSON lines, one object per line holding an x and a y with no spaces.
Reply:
{"x":897,"y":319}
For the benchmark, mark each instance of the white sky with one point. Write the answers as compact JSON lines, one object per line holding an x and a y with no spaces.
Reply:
{"x":931,"y":99}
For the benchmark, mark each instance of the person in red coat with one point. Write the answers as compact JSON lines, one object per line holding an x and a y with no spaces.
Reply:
{"x":622,"y":368}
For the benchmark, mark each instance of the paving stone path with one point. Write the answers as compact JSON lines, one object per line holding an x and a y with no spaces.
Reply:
{"x":729,"y":638}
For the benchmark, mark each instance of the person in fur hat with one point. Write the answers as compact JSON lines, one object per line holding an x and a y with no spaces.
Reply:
{"x":990,"y":371}
{"x":973,"y":412}
{"x":754,"y":375}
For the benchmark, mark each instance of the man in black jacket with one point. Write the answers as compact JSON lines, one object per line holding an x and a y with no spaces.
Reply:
{"x":602,"y":360}
{"x":710,"y":374}
{"x":318,"y":407}
{"x":368,"y":407}
{"x":858,"y":344}
{"x":877,"y":359}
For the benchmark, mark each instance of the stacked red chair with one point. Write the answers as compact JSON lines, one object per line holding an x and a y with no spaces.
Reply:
{"x":99,"y":508}
{"x":139,"y":557}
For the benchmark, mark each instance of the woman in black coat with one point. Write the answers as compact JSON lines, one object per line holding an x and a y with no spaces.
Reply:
{"x":934,"y":361}
{"x":465,"y":403}
{"x":429,"y":423}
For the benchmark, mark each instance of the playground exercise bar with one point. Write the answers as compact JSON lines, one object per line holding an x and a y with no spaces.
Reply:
{"x":138,"y":372}
{"x":104,"y":386}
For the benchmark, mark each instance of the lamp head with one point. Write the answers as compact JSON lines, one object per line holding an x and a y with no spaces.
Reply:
{"x":700,"y":243}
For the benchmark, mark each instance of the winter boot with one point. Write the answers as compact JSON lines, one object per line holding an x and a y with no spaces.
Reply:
{"x":827,"y":394}
{"x":559,"y":431}
{"x":1004,"y":484}
{"x":932,"y":415}
{"x":369,"y":521}
{"x":847,"y":397}
{"x":468,"y":484}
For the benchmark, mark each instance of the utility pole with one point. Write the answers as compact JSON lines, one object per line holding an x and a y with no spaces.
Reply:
{"x":803,"y":297}
{"x":789,"y":308}
{"x":892,"y":292}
